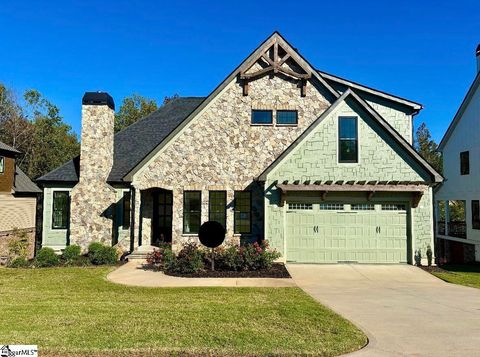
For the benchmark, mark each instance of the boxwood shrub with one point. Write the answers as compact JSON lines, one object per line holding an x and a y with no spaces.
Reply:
{"x":100,"y":254}
{"x":46,"y":257}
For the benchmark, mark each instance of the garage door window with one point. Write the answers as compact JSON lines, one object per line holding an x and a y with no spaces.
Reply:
{"x":393,"y":207}
{"x":363,"y":207}
{"x":331,"y":206}
{"x":300,"y":206}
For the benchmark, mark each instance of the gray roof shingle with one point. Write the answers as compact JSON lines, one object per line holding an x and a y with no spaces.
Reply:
{"x":5,"y":147}
{"x":23,"y":184}
{"x":132,"y":144}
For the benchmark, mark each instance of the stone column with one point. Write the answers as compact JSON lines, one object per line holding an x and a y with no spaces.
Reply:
{"x":137,"y":218}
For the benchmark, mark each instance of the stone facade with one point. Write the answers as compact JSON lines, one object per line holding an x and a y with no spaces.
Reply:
{"x":92,"y":198}
{"x":7,"y":237}
{"x":221,"y":150}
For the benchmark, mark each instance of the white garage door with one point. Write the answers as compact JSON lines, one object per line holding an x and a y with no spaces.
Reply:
{"x":342,"y":232}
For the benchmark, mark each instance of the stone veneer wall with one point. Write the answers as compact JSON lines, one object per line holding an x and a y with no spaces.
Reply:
{"x":221,"y":150}
{"x":7,"y":237}
{"x":92,"y":198}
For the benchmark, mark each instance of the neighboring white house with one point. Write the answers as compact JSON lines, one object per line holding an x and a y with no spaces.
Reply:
{"x":457,"y":201}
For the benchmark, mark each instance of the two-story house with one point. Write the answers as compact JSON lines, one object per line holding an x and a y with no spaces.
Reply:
{"x":321,"y":166}
{"x":457,"y":200}
{"x":18,"y":201}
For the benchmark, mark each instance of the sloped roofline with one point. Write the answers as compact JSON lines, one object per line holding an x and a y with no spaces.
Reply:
{"x":8,"y":148}
{"x":383,"y":123}
{"x":414,"y":105}
{"x":250,"y":60}
{"x":461,"y":110}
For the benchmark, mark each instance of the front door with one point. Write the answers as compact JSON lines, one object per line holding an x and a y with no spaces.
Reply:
{"x":162,"y":217}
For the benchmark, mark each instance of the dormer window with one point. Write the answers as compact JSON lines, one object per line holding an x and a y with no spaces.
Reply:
{"x":2,"y":164}
{"x":262,"y":117}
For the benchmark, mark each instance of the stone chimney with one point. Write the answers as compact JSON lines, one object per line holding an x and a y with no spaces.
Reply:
{"x":477,"y":53}
{"x":92,"y":198}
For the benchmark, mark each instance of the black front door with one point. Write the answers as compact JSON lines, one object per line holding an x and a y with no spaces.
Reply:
{"x":162,"y":217}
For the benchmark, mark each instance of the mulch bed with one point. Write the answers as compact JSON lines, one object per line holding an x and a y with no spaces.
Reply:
{"x":277,"y":271}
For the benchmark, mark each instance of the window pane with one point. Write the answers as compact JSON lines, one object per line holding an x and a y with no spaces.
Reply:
{"x":217,"y":207}
{"x":262,"y":117}
{"x":348,"y":141}
{"x":192,"y":207}
{"x":287,"y":117}
{"x":60,"y":210}
{"x":126,"y":210}
{"x":475,"y":214}
{"x":243,"y":203}
{"x":2,"y":164}
{"x":464,"y":163}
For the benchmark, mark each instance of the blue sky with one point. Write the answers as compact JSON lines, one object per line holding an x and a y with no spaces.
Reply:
{"x":421,"y":50}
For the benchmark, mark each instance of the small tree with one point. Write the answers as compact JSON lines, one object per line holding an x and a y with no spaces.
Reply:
{"x":427,"y":147}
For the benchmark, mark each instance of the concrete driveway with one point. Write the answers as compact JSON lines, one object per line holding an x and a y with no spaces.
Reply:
{"x":403,"y":310}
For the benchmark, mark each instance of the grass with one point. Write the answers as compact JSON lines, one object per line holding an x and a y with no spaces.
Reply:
{"x":468,"y":275}
{"x":77,"y":312}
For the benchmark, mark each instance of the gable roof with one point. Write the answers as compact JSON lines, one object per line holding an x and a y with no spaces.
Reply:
{"x":23,"y":184}
{"x":5,"y":147}
{"x":373,"y":114}
{"x":247,"y":63}
{"x":360,"y":87}
{"x":466,"y":101}
{"x":134,"y":142}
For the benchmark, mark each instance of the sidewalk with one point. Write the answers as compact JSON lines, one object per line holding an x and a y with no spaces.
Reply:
{"x":133,"y":274}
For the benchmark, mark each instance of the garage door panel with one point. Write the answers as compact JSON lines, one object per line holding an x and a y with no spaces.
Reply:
{"x":323,"y":236}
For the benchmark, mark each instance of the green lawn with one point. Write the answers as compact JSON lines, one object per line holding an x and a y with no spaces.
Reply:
{"x":468,"y":275}
{"x":77,"y":312}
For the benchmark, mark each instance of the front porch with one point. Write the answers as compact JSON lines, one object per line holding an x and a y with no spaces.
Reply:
{"x":451,"y":219}
{"x":174,"y":215}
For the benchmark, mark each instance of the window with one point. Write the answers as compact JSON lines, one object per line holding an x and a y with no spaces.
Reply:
{"x":262,"y":117}
{"x":126,"y":209}
{"x":217,"y":207}
{"x":331,"y":206}
{"x":307,"y":206}
{"x":287,"y":117}
{"x":464,"y":163}
{"x":347,"y":139}
{"x":243,"y":212}
{"x":475,"y":214}
{"x":192,"y":209}
{"x":2,"y":164}
{"x":363,"y":207}
{"x":393,"y":207}
{"x":60,"y":209}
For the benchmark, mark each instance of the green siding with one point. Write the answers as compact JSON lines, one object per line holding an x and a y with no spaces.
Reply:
{"x":380,"y":159}
{"x":54,"y":238}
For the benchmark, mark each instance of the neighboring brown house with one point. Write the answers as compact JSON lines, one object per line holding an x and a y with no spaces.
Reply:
{"x":18,"y":201}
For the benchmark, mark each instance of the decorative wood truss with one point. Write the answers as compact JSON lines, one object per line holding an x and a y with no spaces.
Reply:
{"x":417,"y":189}
{"x":277,"y":59}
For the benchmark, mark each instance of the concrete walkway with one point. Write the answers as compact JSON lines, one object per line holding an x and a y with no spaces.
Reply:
{"x":403,"y":310}
{"x":133,"y":274}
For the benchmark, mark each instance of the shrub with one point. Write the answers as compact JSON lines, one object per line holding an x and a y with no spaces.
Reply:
{"x":19,"y":262}
{"x":46,"y":257}
{"x":18,"y":247}
{"x":161,"y":255}
{"x":429,"y":256}
{"x":71,"y":253}
{"x":228,"y":259}
{"x":189,"y":260}
{"x":252,"y":256}
{"x":100,"y":254}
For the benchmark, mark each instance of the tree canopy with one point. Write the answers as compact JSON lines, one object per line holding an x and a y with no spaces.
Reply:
{"x":132,"y":109}
{"x":35,"y":127}
{"x":427,"y":147}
